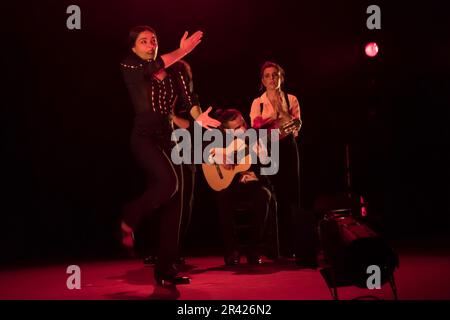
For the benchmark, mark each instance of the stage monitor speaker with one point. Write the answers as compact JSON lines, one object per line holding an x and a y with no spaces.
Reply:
{"x":350,"y":247}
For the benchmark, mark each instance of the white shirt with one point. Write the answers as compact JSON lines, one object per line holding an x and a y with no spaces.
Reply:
{"x":269,"y":111}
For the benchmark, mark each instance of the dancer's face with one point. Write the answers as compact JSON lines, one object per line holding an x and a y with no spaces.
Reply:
{"x":146,"y":45}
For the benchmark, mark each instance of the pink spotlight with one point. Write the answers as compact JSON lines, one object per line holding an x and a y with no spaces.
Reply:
{"x":371,"y":49}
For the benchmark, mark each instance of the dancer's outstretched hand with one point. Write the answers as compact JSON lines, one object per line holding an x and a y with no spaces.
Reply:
{"x":189,"y":43}
{"x":206,"y":121}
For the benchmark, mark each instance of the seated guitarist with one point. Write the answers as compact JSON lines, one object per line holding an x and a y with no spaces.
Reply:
{"x":247,"y":187}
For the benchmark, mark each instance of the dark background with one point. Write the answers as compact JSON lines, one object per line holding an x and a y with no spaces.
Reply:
{"x":66,"y":116}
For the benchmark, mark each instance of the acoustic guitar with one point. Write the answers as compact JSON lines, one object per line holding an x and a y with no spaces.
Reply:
{"x":220,"y":177}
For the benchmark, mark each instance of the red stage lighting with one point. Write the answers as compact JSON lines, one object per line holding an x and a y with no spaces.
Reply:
{"x":371,"y":49}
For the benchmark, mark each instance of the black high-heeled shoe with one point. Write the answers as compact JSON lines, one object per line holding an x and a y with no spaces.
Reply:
{"x":151,"y":260}
{"x":254,"y":259}
{"x":171,"y":281}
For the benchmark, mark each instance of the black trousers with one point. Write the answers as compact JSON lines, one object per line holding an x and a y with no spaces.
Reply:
{"x":287,"y":189}
{"x":237,"y":193}
{"x":163,"y":194}
{"x":189,"y":172}
{"x":148,"y":235}
{"x":297,"y":233}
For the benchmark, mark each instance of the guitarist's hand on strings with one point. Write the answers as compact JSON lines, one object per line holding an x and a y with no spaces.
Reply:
{"x":247,"y":177}
{"x":224,"y":163}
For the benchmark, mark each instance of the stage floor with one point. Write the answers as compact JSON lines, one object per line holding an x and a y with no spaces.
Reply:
{"x":420,"y":276}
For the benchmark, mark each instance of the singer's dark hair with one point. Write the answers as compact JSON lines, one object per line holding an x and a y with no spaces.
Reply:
{"x":135,"y":31}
